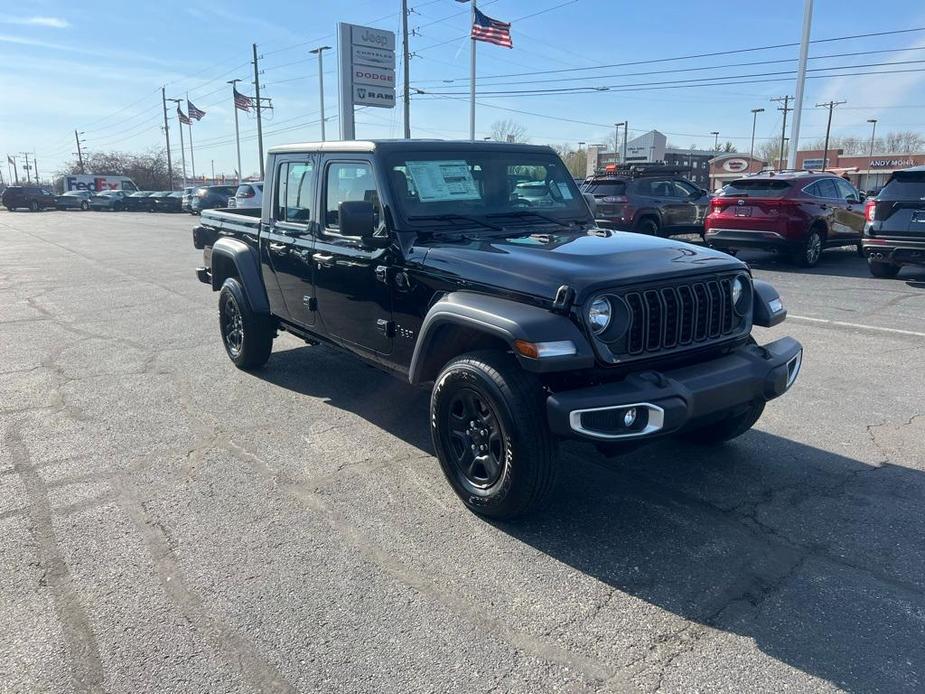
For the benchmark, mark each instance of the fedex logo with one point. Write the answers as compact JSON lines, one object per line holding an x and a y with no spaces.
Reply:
{"x":97,"y":184}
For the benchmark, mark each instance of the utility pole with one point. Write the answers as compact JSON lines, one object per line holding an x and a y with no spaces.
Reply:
{"x":80,"y":156}
{"x":319,"y":51}
{"x":259,"y":107}
{"x":15,"y":169}
{"x":715,"y":134}
{"x":783,"y":129}
{"x":167,"y":137}
{"x":472,"y":46}
{"x":801,"y":82}
{"x":831,"y":106}
{"x":27,"y":167}
{"x":35,"y":166}
{"x":626,"y":136}
{"x":237,"y":132}
{"x":213,"y":172}
{"x":870,"y":156}
{"x":751,"y":150}
{"x":406,"y":60}
{"x":182,"y":144}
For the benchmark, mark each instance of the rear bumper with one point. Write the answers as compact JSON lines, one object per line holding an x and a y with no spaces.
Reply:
{"x":896,"y":250}
{"x":204,"y":275}
{"x":667,"y":402}
{"x":739,"y":238}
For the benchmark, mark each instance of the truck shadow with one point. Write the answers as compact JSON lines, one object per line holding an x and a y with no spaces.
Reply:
{"x":815,"y":558}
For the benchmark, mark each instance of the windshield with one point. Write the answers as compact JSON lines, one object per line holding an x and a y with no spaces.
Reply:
{"x":481,"y":184}
{"x":756,"y":188}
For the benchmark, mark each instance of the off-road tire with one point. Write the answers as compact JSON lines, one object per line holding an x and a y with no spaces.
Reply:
{"x":883,"y":270}
{"x":647,"y":226}
{"x":34,"y":206}
{"x":528,"y":467}
{"x":257,"y":331}
{"x":726,"y":429}
{"x":810,"y":250}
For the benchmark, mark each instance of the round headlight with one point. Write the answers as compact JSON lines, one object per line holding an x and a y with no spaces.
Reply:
{"x":599,"y":315}
{"x":740,"y":294}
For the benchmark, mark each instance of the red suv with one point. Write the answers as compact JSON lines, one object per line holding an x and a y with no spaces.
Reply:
{"x":797,"y":213}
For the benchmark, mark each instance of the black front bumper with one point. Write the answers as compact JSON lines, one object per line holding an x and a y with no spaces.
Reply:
{"x":666,"y":402}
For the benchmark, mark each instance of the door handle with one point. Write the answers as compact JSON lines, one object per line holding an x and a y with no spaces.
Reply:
{"x":323,"y":259}
{"x":278,"y":246}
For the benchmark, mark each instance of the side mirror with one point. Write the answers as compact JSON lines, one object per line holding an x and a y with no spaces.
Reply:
{"x":592,"y":203}
{"x":357,"y":218}
{"x":862,"y":197}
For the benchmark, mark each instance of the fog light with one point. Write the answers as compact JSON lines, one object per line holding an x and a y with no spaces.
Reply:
{"x":629,"y":417}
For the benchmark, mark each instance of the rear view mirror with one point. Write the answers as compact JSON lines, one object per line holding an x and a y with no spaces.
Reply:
{"x":357,"y":218}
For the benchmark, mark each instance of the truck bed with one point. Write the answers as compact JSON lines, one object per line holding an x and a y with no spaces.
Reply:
{"x":227,"y":222}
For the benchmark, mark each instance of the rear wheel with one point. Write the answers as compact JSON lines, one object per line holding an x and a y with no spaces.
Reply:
{"x":488,"y":425}
{"x":726,"y":429}
{"x":810,"y":251}
{"x":883,"y":270}
{"x":34,"y":206}
{"x":85,"y":205}
{"x":648,"y":226}
{"x":247,"y":336}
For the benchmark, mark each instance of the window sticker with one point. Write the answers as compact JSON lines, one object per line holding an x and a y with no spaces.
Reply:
{"x":563,"y":190}
{"x":442,"y":181}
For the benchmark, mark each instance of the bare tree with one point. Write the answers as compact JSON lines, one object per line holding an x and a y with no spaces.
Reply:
{"x":508,"y":131}
{"x":576,"y":161}
{"x":728,"y":147}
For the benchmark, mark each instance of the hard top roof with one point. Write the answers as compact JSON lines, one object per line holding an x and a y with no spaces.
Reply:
{"x":399,"y":145}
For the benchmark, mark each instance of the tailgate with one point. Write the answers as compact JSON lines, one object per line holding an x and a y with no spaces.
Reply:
{"x":900,"y":219}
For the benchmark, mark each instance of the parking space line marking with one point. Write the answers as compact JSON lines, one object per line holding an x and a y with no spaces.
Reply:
{"x":843,"y":324}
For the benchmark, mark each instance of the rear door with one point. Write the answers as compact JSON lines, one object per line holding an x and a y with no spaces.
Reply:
{"x":664,"y":195}
{"x":288,"y":238}
{"x":850,"y":213}
{"x":900,"y":206}
{"x":690,"y":213}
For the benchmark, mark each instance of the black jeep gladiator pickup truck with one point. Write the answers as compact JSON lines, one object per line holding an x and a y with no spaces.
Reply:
{"x":531,"y":323}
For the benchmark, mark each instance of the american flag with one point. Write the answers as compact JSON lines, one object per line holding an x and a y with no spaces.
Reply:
{"x":193,"y":111}
{"x":182,"y":117}
{"x":491,"y":30}
{"x":242,"y":102}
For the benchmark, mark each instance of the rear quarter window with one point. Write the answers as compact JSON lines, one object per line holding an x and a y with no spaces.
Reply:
{"x":762,"y":188}
{"x":606,"y":189}
{"x":904,"y":186}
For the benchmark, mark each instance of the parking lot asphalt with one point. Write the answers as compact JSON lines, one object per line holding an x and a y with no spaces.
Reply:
{"x":169,"y":523}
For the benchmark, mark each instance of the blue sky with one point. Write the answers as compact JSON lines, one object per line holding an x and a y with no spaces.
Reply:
{"x":99,"y":69}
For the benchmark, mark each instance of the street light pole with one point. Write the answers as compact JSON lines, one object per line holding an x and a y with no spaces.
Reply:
{"x":751,"y":150}
{"x":870,"y":156}
{"x":715,"y":134}
{"x":319,"y":52}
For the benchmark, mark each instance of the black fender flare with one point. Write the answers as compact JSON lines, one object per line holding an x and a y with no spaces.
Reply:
{"x":247,"y":264}
{"x":763,"y":313}
{"x":504,"y":319}
{"x":648,"y":212}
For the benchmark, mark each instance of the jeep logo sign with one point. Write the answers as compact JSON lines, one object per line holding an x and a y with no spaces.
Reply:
{"x":376,"y":38}
{"x":735,"y":165}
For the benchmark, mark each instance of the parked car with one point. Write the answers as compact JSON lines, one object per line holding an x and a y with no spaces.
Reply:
{"x":112,"y":200}
{"x":247,"y":195}
{"x":186,"y":202}
{"x":74,"y":200}
{"x":797,"y":214}
{"x":211,"y":197}
{"x":894,"y":233}
{"x":532,"y":326}
{"x":168,"y":201}
{"x":655,"y":200}
{"x":34,"y":197}
{"x":139,"y":201}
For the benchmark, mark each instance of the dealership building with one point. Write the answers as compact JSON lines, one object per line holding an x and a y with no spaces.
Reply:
{"x":653,"y":147}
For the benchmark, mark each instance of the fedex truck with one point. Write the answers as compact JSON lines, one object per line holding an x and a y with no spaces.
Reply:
{"x":96,"y":183}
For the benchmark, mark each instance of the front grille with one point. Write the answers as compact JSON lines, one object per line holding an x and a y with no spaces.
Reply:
{"x":664,"y":318}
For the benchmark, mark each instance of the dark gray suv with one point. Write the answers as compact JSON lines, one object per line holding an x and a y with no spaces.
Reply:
{"x":894,"y":231}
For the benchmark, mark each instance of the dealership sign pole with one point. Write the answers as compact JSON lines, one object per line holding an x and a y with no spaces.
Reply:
{"x":801,"y":82}
{"x":366,"y":72}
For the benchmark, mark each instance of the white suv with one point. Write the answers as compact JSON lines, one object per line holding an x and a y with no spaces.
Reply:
{"x":248,"y":195}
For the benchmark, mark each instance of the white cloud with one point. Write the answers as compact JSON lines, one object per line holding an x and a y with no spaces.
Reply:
{"x":53,"y":22}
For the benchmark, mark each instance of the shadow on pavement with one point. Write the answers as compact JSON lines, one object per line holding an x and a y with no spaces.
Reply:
{"x":816,"y":557}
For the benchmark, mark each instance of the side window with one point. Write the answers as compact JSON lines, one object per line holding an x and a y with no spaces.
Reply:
{"x":685,"y":189}
{"x":827,"y":188}
{"x":813,"y":190}
{"x":662,"y":188}
{"x":295,"y":192}
{"x":846,"y":191}
{"x":348,"y":182}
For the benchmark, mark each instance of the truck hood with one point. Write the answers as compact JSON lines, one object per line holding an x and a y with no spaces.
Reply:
{"x":538,"y":265}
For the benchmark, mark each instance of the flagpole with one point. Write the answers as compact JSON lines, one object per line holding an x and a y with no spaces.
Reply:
{"x":182,"y":145}
{"x":472,"y":77}
{"x":192,"y":158}
{"x":237,"y":132}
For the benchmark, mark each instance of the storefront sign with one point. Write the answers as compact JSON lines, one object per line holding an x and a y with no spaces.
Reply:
{"x":891,"y":163}
{"x":735,"y":165}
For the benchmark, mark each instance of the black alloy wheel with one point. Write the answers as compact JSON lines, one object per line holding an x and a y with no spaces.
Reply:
{"x":232,"y":327}
{"x":475,"y":440}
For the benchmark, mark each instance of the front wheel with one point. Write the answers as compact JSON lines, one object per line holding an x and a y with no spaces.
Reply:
{"x":247,"y":336}
{"x":34,"y":206}
{"x":810,"y":251}
{"x":85,"y":205}
{"x":488,"y":424}
{"x":647,"y":226}
{"x":883,"y":270}
{"x":726,"y":429}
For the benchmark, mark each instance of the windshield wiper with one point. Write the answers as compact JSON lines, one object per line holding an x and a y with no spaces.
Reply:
{"x":528,"y":213}
{"x":454,"y":218}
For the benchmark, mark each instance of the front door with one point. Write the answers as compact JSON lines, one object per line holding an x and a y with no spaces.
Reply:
{"x":290,"y":237}
{"x":351,"y":280}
